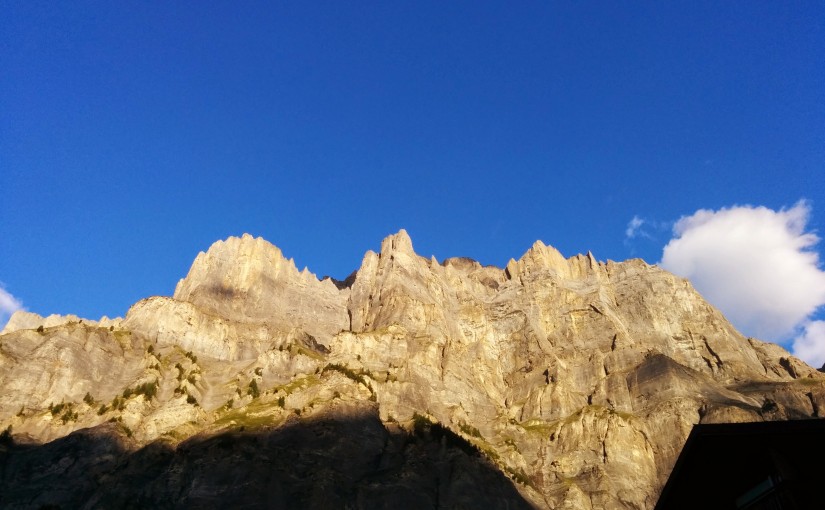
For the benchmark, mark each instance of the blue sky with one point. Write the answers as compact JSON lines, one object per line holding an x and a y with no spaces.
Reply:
{"x":134,"y":134}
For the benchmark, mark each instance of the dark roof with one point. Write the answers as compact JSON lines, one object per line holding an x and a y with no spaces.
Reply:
{"x":723,"y":462}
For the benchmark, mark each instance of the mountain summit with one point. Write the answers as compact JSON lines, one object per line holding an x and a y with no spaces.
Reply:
{"x":554,"y":382}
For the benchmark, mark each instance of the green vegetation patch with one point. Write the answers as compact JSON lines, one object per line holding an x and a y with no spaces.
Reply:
{"x":511,"y":443}
{"x":518,"y":475}
{"x":148,"y":389}
{"x":56,"y":408}
{"x":253,"y":389}
{"x":118,"y":403}
{"x":351,"y":374}
{"x":539,"y":426}
{"x":469,"y":430}
{"x":542,"y":427}
{"x":623,"y":415}
{"x":5,"y":437}
{"x":298,"y":383}
{"x":309,"y":353}
{"x":68,"y":416}
{"x":348,"y":372}
{"x":424,"y":427}
{"x":250,"y":417}
{"x":66,"y":411}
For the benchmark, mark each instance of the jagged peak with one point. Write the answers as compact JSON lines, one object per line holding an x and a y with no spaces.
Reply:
{"x":511,"y":270}
{"x":247,"y":244}
{"x":237,"y":262}
{"x":547,"y":257}
{"x":23,"y":319}
{"x":539,"y":249}
{"x":257,"y":242}
{"x":399,"y":242}
{"x":542,"y":255}
{"x":464,"y":263}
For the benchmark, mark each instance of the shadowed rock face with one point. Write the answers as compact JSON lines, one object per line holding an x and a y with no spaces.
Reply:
{"x":578,"y":380}
{"x":327,"y":462}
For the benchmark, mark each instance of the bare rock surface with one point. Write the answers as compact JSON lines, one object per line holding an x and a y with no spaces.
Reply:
{"x":248,"y":279}
{"x":568,"y":382}
{"x":22,"y":319}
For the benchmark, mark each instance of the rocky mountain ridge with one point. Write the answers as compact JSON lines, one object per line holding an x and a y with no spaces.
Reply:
{"x":575,"y":379}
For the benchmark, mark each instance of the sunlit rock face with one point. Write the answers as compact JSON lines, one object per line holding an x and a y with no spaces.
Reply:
{"x":247,"y":280}
{"x":578,"y":380}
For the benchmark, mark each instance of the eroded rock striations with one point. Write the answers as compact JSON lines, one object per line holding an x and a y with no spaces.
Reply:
{"x":553,"y":383}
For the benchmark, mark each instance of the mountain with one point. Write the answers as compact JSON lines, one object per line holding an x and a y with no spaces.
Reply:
{"x":551,"y":383}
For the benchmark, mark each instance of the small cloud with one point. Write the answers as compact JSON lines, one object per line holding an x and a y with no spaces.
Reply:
{"x":643,"y":231}
{"x":645,"y":228}
{"x":810,"y":345}
{"x":8,"y":305}
{"x":634,"y":228}
{"x":757,"y":265}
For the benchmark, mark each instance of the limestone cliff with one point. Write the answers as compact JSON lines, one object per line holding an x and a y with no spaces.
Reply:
{"x":578,"y":380}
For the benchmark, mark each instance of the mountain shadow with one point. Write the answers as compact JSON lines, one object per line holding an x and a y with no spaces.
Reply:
{"x":323,"y":462}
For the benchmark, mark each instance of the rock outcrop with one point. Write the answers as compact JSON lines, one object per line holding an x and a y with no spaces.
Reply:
{"x":248,"y":280}
{"x":577,"y":380}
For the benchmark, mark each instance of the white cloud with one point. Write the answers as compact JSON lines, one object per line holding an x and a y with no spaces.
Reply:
{"x":810,"y":345}
{"x":8,"y":305}
{"x":646,"y":228}
{"x":634,"y":228}
{"x":756,"y":264}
